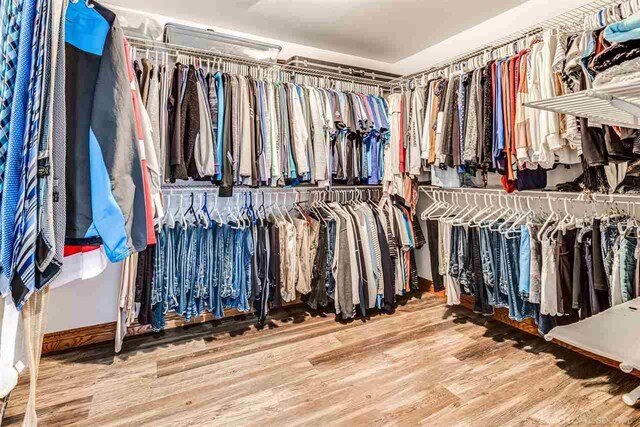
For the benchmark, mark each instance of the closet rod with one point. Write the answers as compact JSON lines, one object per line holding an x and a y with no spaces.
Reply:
{"x":209,"y":187}
{"x":174,"y":50}
{"x":597,"y":197}
{"x":570,"y":20}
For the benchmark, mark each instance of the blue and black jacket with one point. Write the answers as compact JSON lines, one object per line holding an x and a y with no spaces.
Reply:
{"x":104,"y":183}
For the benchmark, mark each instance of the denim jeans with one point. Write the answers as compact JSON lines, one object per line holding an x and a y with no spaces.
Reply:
{"x":237,"y":259}
{"x":163,"y":262}
{"x":459,"y":261}
{"x":330,"y":281}
{"x":525,"y":262}
{"x":226,"y":269}
{"x":518,"y":308}
{"x":214,"y":268}
{"x":488,"y":265}
{"x":627,"y":266}
{"x":609,"y":233}
{"x":501,"y":293}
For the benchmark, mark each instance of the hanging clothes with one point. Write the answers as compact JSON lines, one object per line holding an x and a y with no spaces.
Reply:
{"x":100,"y":154}
{"x":553,"y":271}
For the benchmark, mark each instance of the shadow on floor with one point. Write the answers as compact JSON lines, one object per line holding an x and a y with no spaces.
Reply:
{"x":574,"y":364}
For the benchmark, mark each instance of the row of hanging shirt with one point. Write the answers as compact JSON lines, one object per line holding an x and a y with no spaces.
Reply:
{"x":238,"y":129}
{"x":554,"y":268}
{"x":351,"y":254}
{"x":476,"y":119}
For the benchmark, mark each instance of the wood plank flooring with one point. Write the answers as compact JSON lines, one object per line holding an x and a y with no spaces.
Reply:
{"x":426,"y":364}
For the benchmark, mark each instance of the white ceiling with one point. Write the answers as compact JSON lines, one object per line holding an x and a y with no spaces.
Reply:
{"x":382,"y":30}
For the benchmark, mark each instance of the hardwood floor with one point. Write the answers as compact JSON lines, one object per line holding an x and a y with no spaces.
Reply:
{"x":425,"y":364}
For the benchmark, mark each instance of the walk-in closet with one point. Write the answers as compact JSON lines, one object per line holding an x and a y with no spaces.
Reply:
{"x":310,"y":213}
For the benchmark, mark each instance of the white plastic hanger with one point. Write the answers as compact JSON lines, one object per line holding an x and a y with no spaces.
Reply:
{"x":451,"y":208}
{"x":565,"y":222}
{"x":461,"y":212}
{"x":473,"y":222}
{"x":432,"y":207}
{"x":467,"y":209}
{"x":506,"y":211}
{"x":515,"y":213}
{"x":490,"y":213}
{"x":513,"y":232}
{"x":171,"y":221}
{"x":550,"y":218}
{"x":181,"y":218}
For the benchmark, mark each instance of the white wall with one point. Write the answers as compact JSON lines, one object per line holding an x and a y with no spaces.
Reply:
{"x":288,"y":49}
{"x":519,"y":18}
{"x":85,"y":302}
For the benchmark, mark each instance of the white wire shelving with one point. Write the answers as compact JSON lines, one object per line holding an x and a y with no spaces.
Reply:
{"x":616,"y":105}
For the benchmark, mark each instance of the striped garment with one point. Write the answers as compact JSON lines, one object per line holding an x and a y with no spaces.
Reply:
{"x":19,"y":116}
{"x":9,"y":37}
{"x":25,"y":231}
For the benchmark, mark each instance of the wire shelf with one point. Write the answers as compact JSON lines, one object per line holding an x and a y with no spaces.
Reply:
{"x":572,"y":20}
{"x":616,"y":105}
{"x":174,"y":50}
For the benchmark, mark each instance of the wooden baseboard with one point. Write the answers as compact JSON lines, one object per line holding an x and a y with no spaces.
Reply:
{"x":74,"y":338}
{"x":529,"y":326}
{"x":426,"y":285}
{"x":105,"y":332}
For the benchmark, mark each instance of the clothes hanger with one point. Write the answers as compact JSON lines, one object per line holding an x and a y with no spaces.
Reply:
{"x":449,"y":207}
{"x":269,"y":210}
{"x":190,"y":209}
{"x":455,"y":206}
{"x":514,"y":214}
{"x":278,"y":211}
{"x":216,"y":211}
{"x":459,"y":218}
{"x":506,"y":211}
{"x":171,"y":220}
{"x":242,"y":209}
{"x":315,"y":207}
{"x":285,"y":210}
{"x":180,"y":214}
{"x":513,"y":232}
{"x":260,"y":211}
{"x":227,"y":212}
{"x":432,"y":207}
{"x":484,"y":221}
{"x":206,"y":208}
{"x":473,"y":222}
{"x":550,"y":218}
{"x":200,"y":213}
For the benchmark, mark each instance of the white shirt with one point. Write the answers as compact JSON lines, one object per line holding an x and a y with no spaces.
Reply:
{"x":299,"y":132}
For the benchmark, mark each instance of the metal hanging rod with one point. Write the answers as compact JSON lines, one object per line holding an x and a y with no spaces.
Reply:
{"x":571,"y":21}
{"x":586,"y":196}
{"x":205,"y":186}
{"x":174,"y":50}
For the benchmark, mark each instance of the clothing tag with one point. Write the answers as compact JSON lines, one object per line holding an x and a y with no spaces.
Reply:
{"x":56,"y":192}
{"x":44,"y":170}
{"x":44,"y":167}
